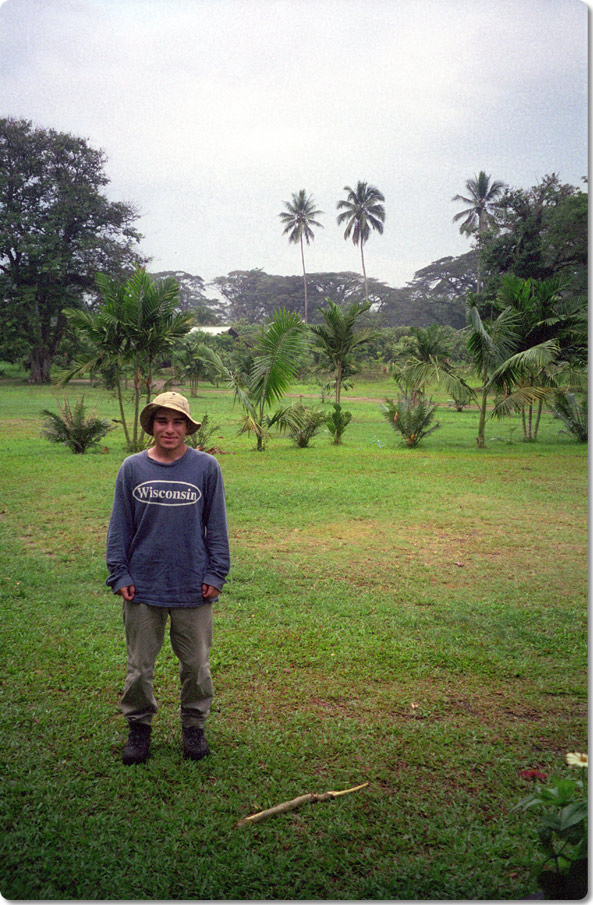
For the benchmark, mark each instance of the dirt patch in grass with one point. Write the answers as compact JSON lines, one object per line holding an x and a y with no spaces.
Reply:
{"x":404,"y":702}
{"x":373,"y":553}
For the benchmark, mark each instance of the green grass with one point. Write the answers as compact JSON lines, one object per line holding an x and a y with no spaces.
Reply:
{"x":414,"y":619}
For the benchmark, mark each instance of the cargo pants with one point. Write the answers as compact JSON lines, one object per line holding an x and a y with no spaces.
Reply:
{"x":191,"y":638}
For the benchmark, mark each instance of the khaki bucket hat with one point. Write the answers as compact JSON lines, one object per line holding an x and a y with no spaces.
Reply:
{"x":171,"y":400}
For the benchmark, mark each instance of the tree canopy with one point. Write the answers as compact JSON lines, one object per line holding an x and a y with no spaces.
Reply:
{"x":57,"y":231}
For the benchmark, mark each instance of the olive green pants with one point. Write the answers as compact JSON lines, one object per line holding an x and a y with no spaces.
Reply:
{"x":191,"y":638}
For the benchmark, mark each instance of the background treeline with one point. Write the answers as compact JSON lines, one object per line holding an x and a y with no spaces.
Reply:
{"x":436,"y":295}
{"x":59,"y":231}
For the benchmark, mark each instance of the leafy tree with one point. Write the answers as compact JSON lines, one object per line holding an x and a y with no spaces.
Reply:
{"x":362,"y":211}
{"x":137,"y":324}
{"x":541,"y":232}
{"x":477,"y":217}
{"x":252,"y":296}
{"x":298,"y":218}
{"x":337,"y":339}
{"x":440,"y":289}
{"x":57,"y":230}
{"x":192,"y":296}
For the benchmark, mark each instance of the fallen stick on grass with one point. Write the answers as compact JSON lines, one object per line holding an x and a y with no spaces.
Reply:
{"x":296,"y":803}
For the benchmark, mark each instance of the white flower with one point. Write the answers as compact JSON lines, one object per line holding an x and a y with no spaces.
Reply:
{"x":576,"y":759}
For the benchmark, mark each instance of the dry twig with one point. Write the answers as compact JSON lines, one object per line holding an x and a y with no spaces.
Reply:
{"x":296,"y":803}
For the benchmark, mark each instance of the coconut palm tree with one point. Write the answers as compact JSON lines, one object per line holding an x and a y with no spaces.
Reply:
{"x":362,"y":210}
{"x":481,"y":197}
{"x":298,"y":218}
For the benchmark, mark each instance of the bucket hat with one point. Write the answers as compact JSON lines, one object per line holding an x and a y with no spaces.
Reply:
{"x":171,"y":400}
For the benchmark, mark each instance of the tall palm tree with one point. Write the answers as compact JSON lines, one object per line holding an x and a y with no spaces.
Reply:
{"x":298,"y":218}
{"x":362,"y":211}
{"x":482,"y":195}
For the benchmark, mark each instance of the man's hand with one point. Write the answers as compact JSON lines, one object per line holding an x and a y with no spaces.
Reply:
{"x":127,"y":592}
{"x":209,"y":591}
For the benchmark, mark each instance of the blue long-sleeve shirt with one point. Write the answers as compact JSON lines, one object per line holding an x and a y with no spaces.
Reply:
{"x":168,"y":529}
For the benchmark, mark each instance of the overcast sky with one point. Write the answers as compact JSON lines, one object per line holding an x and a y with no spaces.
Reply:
{"x":213,"y":112}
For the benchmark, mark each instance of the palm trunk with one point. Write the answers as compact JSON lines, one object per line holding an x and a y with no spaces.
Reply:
{"x":260,"y":436}
{"x":540,"y":406}
{"x":137,"y":389}
{"x":338,"y":383}
{"x":479,"y":249}
{"x":120,"y":400}
{"x":480,"y":441}
{"x":305,"y":282}
{"x":364,"y":273}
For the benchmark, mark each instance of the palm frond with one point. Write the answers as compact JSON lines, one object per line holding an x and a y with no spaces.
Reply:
{"x":526,"y":362}
{"x":277,"y":357}
{"x":520,"y":398}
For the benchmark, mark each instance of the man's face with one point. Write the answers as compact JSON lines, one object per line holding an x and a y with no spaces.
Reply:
{"x":169,"y":429}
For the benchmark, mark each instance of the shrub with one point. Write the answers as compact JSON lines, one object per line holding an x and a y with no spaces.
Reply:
{"x":72,"y":428}
{"x":337,"y":422}
{"x":573,"y":413}
{"x":201,"y":438}
{"x":411,"y":416}
{"x":300,"y":423}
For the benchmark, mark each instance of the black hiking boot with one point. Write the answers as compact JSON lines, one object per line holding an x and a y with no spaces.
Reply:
{"x":137,"y":745}
{"x":195,"y":745}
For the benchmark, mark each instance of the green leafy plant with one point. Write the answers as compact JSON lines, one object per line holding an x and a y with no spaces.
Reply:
{"x":201,"y":438}
{"x":411,"y":415}
{"x":73,"y":428}
{"x":299,"y":423}
{"x":337,"y":421}
{"x":275,"y":362}
{"x":573,"y":412}
{"x":337,"y":340}
{"x":562,"y":808}
{"x":137,"y":323}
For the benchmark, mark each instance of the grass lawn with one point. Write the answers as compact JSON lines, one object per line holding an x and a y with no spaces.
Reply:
{"x":414,"y":619}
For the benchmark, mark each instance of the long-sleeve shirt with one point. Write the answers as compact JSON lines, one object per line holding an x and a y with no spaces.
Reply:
{"x":168,"y":529}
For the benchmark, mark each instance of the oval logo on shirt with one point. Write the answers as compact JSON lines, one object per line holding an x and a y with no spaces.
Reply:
{"x":167,"y":493}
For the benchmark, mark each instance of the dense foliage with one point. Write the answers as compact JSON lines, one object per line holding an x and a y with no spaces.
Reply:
{"x":57,"y":230}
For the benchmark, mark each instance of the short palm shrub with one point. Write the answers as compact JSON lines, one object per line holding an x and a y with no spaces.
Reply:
{"x":337,"y":421}
{"x":411,"y":415}
{"x":201,"y":438}
{"x":72,"y":427}
{"x":573,"y":412}
{"x":300,"y":423}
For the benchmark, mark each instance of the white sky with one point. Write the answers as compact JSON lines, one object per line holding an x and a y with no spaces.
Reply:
{"x":213,"y":112}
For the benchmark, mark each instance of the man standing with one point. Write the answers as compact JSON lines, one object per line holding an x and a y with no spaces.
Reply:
{"x":168,"y":557}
